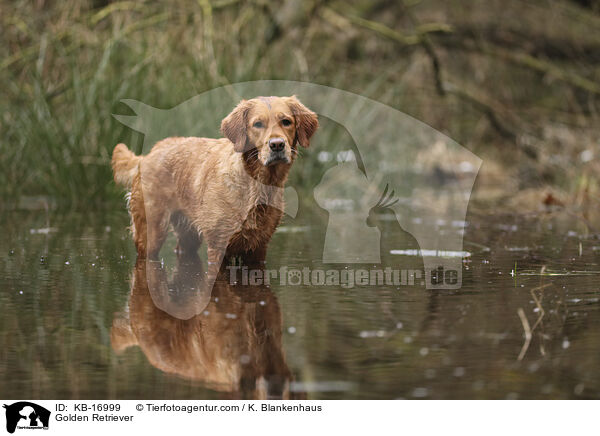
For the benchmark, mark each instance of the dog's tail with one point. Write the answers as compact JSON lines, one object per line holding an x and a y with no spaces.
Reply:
{"x":125,"y":165}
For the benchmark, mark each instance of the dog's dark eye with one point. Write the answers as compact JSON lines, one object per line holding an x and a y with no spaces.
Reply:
{"x":286,"y":122}
{"x":258,"y":125}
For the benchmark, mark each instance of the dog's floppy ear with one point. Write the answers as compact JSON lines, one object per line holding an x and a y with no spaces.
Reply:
{"x":306,"y":121}
{"x":233,"y":126}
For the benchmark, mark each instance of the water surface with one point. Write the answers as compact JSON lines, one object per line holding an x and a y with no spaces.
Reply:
{"x":79,"y":320}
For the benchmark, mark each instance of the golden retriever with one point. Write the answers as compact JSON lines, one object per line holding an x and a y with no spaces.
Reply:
{"x":225,"y":191}
{"x":234,"y":345}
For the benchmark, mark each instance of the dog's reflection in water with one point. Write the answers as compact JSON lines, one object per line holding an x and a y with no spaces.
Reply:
{"x":233,"y":345}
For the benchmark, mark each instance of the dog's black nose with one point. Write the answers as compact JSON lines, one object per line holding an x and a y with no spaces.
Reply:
{"x":276,"y":144}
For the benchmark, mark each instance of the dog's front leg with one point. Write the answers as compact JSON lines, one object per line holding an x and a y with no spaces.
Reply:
{"x":215,"y":253}
{"x":257,"y":256}
{"x":157,"y":229}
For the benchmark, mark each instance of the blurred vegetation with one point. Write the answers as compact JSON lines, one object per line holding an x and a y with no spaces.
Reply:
{"x":516,"y":82}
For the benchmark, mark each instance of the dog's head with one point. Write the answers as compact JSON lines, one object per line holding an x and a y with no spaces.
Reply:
{"x":270,"y":128}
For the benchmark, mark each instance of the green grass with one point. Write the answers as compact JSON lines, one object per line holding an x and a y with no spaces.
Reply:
{"x":66,"y":65}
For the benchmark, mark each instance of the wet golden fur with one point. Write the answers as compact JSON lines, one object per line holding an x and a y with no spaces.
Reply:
{"x":225,"y":191}
{"x":233,"y":345}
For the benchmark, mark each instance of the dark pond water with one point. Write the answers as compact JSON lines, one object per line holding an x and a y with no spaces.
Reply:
{"x":81,"y":320}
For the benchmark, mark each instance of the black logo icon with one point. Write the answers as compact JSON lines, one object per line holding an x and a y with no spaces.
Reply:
{"x":24,"y":414}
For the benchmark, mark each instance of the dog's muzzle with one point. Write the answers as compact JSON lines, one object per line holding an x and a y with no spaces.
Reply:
{"x":275,"y":158}
{"x":277,"y":147}
{"x":276,"y":144}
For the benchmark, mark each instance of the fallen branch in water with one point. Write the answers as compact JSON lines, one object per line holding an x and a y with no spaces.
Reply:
{"x":527,"y":330}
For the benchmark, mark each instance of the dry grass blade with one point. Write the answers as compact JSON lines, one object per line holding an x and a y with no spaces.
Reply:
{"x":527,"y":331}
